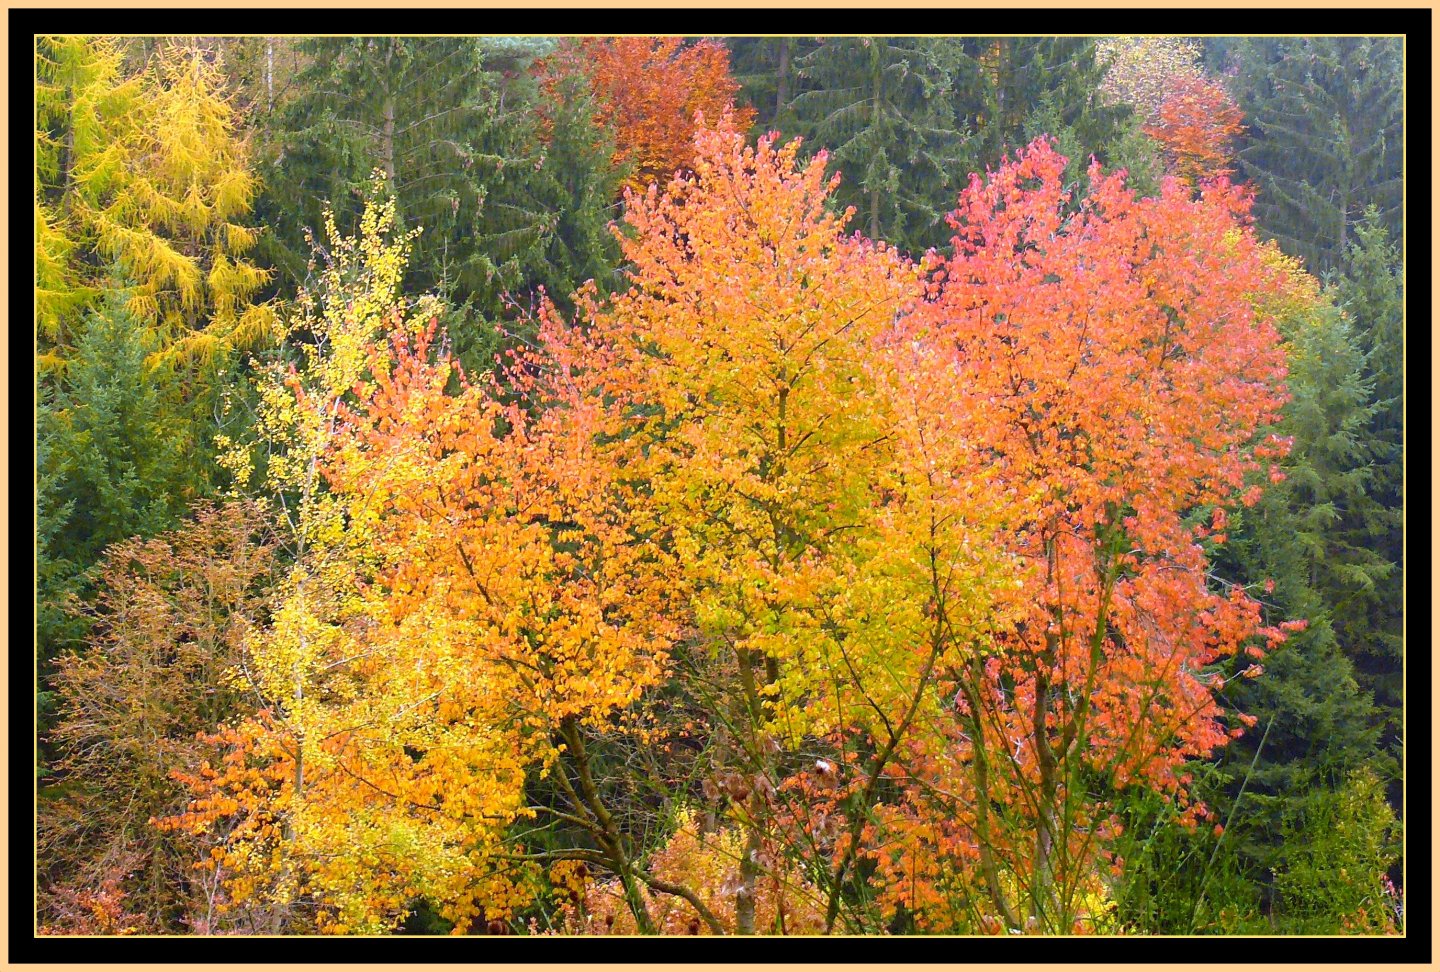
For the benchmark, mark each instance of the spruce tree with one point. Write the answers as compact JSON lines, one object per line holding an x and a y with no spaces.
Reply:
{"x":1371,"y":292}
{"x":767,"y":72}
{"x":1314,"y":723}
{"x":1324,"y":139}
{"x":884,"y":108}
{"x":1316,"y":718}
{"x":115,"y":442}
{"x":455,"y":125}
{"x":1008,"y":81}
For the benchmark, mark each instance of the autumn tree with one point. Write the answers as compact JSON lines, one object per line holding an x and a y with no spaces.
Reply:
{"x":1119,"y":379}
{"x":472,"y":590}
{"x":1316,"y":725}
{"x":650,"y":89}
{"x":750,"y":355}
{"x":1196,"y":124}
{"x":83,"y":113}
{"x":169,"y":618}
{"x":148,"y":172}
{"x":1139,"y":71}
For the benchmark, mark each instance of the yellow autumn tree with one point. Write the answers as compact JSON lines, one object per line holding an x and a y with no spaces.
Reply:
{"x":84,"y":117}
{"x":148,"y":173}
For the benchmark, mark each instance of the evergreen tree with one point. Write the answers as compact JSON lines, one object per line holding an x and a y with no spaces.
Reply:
{"x":455,"y":124}
{"x":114,"y":460}
{"x":117,"y":439}
{"x":1009,"y":83}
{"x":884,"y":108}
{"x":1371,"y":291}
{"x":766,"y":69}
{"x":577,"y":178}
{"x":1317,"y":721}
{"x":1324,"y":140}
{"x":1337,"y":845}
{"x":907,"y":120}
{"x":1314,"y":724}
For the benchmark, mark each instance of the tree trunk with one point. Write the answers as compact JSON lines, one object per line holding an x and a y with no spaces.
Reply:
{"x":749,"y":872}
{"x":782,"y":81}
{"x":606,"y":832}
{"x":387,"y":144}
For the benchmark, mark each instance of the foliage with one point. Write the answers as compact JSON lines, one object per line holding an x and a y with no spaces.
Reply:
{"x":457,"y":126}
{"x":1103,"y":390}
{"x":769,"y":560}
{"x":1372,"y":293}
{"x":750,"y":350}
{"x":885,"y":110}
{"x":168,"y":620}
{"x":1139,"y":71}
{"x":1011,"y":82}
{"x":113,"y":460}
{"x":1334,"y":873}
{"x":652,"y":89}
{"x":785,"y":903}
{"x":465,"y":584}
{"x":765,"y":69}
{"x":1197,"y":121}
{"x":150,"y":172}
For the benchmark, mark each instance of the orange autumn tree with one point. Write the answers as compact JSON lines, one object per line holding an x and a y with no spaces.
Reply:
{"x":1197,"y":124}
{"x":468,"y":591}
{"x":749,"y":362}
{"x":1115,"y":375}
{"x":650,"y":89}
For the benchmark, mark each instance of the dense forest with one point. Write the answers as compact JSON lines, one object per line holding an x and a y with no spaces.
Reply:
{"x":766,"y":485}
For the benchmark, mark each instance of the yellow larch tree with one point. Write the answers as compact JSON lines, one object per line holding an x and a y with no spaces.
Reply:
{"x":148,"y":173}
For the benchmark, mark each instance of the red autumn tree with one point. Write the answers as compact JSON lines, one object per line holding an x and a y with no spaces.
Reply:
{"x":1198,"y":120}
{"x":1115,"y":374}
{"x":650,"y":89}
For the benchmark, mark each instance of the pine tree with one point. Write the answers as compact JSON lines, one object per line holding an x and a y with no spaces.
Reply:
{"x":1324,"y":141}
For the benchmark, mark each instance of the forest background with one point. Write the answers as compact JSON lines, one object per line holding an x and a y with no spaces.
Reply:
{"x":335,"y":335}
